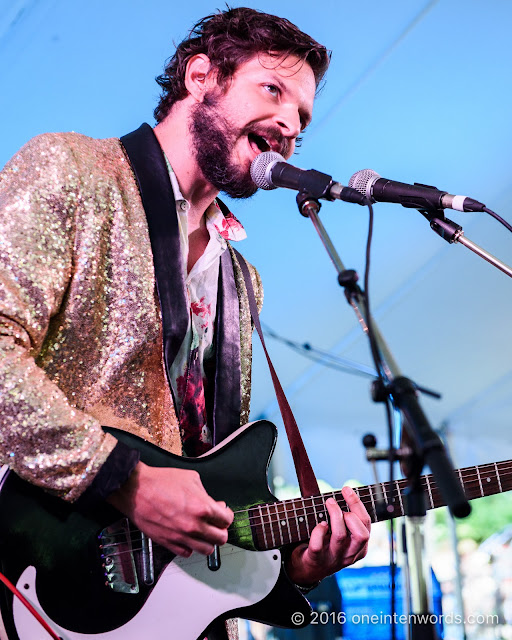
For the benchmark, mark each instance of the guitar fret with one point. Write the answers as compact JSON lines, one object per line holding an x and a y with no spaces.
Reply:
{"x":303,"y":521}
{"x":293,"y":523}
{"x":306,"y":518}
{"x":271,"y":527}
{"x":263,"y":527}
{"x":465,"y":487}
{"x":384,"y":493}
{"x":429,"y":492}
{"x":320,"y":509}
{"x":373,"y":502}
{"x":281,"y":522}
{"x":278,"y":523}
{"x":469,"y":483}
{"x":399,"y":497}
{"x":356,"y":491}
{"x":488,"y":478}
{"x":498,"y":476}
{"x":364,"y":496}
{"x":315,"y":516}
{"x":297,"y":523}
{"x":287,"y":519}
{"x":302,"y":530}
{"x":480,"y":481}
{"x":311,"y":513}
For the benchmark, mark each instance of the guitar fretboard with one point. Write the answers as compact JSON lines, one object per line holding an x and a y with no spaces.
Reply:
{"x":279,"y":523}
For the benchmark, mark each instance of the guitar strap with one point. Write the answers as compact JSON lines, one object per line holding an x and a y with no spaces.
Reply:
{"x":305,"y":474}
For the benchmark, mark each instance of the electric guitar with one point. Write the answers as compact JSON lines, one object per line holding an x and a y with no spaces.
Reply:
{"x":92,"y":576}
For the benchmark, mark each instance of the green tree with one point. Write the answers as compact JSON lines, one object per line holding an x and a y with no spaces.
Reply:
{"x":488,"y":515}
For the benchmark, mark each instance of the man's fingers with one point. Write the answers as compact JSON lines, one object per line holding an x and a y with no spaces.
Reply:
{"x":338,"y":528}
{"x":219,"y":514}
{"x":356,"y":527}
{"x":173,"y":508}
{"x":356,"y":506}
{"x":211,"y":535}
{"x":178,"y":549}
{"x":318,"y":539}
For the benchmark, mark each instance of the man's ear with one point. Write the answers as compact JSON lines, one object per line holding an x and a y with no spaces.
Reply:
{"x":199,"y":77}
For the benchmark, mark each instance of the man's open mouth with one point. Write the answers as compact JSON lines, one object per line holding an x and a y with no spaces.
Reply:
{"x":258,"y":143}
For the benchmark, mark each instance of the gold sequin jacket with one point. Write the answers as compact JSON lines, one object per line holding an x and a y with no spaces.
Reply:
{"x":80,"y":319}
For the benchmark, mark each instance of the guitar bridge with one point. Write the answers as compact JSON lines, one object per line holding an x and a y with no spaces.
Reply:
{"x":116,"y":552}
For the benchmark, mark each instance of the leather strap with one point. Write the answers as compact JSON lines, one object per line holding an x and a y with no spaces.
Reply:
{"x":305,"y":474}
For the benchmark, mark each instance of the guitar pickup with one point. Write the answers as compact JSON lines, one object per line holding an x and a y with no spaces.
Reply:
{"x":213,"y":560}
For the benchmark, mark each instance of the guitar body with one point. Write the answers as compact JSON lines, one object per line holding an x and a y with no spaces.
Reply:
{"x":52,"y":552}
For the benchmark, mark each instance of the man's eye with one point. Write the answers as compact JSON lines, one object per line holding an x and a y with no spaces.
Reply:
{"x":271,"y":88}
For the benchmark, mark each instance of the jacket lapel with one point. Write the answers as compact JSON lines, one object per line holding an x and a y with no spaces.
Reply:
{"x":227,"y":388}
{"x":150,"y":169}
{"x":148,"y":163}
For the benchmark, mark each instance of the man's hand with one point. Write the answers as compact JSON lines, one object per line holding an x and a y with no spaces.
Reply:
{"x":328,"y":552}
{"x":172,"y":507}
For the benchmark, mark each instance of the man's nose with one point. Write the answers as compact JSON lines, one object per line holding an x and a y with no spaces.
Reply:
{"x":288,"y":120}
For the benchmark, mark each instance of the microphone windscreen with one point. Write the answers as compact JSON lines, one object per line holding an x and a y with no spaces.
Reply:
{"x":363,"y":181}
{"x":261,"y":166}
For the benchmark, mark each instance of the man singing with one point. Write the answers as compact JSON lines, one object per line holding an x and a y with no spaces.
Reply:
{"x":122,"y":302}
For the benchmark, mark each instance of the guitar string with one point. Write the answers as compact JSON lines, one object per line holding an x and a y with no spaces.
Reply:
{"x":297,"y":533}
{"x":199,"y":559}
{"x":469,"y":479}
{"x":237,"y":528}
{"x":475,"y":478}
{"x":259,"y":520}
{"x":311,"y":509}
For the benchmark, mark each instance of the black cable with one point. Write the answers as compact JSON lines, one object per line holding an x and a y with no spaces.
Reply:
{"x":498,"y":218}
{"x":377,"y":358}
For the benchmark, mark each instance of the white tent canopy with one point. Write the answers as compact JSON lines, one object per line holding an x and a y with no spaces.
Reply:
{"x":418,"y":91}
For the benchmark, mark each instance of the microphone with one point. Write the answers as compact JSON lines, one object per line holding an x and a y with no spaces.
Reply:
{"x":270,"y":170}
{"x":414,"y":196}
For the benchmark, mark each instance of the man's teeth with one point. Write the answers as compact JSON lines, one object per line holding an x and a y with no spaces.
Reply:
{"x":259,"y":142}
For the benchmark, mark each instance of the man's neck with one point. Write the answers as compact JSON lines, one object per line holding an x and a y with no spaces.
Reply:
{"x":174,"y":137}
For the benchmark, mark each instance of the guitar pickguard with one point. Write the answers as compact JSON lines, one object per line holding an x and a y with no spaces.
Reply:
{"x":187,"y":597}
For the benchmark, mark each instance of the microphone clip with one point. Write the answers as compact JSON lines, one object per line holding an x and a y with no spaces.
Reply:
{"x":443,"y":226}
{"x":307,"y":203}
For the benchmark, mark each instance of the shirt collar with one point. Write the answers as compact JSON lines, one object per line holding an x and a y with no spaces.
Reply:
{"x":182,"y":204}
{"x":227,"y":226}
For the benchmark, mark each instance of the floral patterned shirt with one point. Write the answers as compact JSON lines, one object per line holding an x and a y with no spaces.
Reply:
{"x":188,"y":368}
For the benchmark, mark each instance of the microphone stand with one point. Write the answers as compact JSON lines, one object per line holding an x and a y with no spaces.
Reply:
{"x":426,"y":444}
{"x":453,"y":232}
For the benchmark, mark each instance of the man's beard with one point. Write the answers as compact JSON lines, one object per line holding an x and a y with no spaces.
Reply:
{"x":213,"y":138}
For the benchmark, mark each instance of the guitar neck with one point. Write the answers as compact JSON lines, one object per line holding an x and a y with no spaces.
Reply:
{"x":279,"y":523}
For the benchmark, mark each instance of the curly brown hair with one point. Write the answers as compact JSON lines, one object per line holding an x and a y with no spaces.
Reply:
{"x":230,"y":38}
